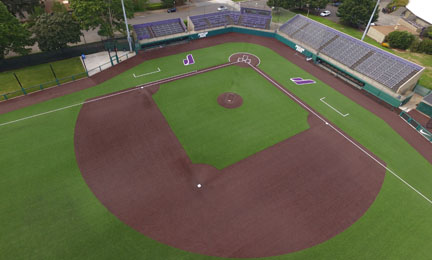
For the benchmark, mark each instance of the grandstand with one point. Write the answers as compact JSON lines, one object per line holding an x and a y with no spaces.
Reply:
{"x":220,"y":19}
{"x":159,"y":29}
{"x":382,"y":73}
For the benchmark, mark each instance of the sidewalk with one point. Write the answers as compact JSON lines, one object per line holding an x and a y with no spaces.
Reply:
{"x":100,"y":61}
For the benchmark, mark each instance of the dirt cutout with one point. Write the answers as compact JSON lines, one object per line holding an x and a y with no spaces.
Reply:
{"x":230,"y":100}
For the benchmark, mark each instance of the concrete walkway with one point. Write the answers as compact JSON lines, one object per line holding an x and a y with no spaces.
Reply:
{"x":100,"y":61}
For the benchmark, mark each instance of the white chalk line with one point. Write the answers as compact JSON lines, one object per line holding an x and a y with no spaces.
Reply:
{"x":149,"y":73}
{"x":340,"y":133}
{"x":146,"y":85}
{"x":322,"y":100}
{"x":259,"y":61}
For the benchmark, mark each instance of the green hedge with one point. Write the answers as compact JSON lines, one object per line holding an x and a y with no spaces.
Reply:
{"x":155,"y":6}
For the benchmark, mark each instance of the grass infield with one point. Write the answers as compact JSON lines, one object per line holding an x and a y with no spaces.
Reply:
{"x":48,"y":212}
{"x":214,"y":135}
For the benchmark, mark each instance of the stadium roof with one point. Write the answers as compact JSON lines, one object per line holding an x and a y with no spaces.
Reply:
{"x":428,"y":98}
{"x":422,"y":9}
{"x":381,"y":66}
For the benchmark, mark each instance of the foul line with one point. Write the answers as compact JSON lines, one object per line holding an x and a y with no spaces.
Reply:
{"x":340,"y":133}
{"x":145,"y":74}
{"x":322,"y":100}
{"x":146,"y":85}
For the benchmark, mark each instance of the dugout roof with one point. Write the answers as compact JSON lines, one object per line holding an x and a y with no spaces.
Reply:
{"x":428,"y":99}
{"x":379,"y":65}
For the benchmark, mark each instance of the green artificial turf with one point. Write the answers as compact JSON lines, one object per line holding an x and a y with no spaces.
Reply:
{"x":48,"y":212}
{"x":218,"y":136}
{"x":41,"y":74}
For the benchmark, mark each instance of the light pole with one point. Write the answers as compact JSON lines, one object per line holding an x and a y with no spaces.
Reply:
{"x":370,"y":20}
{"x":127,"y":27}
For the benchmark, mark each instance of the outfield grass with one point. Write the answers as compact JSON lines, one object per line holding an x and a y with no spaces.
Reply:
{"x":40,"y":74}
{"x":214,"y":135}
{"x":48,"y":212}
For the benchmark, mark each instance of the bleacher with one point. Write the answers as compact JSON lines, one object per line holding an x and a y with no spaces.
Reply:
{"x":381,"y":66}
{"x":220,"y":19}
{"x":159,"y":28}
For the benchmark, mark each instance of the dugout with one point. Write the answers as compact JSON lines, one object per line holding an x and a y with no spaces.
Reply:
{"x":425,"y":105}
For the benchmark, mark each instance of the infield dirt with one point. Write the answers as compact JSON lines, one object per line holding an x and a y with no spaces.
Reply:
{"x":291,"y":196}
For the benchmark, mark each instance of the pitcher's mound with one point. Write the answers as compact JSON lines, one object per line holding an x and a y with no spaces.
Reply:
{"x":230,"y":100}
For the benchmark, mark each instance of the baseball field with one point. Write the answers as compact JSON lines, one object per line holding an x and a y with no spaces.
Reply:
{"x":285,"y":170}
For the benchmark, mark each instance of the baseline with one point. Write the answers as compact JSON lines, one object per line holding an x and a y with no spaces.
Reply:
{"x":149,"y":84}
{"x":340,"y":133}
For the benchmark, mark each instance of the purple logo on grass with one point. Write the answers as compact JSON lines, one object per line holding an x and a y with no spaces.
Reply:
{"x":301,"y":81}
{"x":189,"y":60}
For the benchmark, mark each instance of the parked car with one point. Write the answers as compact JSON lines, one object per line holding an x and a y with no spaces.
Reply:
{"x":325,"y":13}
{"x":336,"y":4}
{"x":172,"y":10}
{"x":222,"y":8}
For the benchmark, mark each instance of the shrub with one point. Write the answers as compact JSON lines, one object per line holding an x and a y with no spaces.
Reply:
{"x":426,"y":46}
{"x":401,"y":40}
{"x":427,"y":32}
{"x":415,"y":45}
{"x":155,"y":6}
{"x":185,"y":22}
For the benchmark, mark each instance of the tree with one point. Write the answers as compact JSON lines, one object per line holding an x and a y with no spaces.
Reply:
{"x":13,"y":35}
{"x":18,"y":7}
{"x":59,"y":8}
{"x":357,"y":12}
{"x":427,"y":32}
{"x":400,"y":39}
{"x":295,"y":4}
{"x":54,"y":31}
{"x":107,"y":15}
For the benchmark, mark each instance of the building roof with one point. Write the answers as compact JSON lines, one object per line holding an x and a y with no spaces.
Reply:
{"x":428,"y":98}
{"x":255,"y":5}
{"x":386,"y":29}
{"x":422,"y":9}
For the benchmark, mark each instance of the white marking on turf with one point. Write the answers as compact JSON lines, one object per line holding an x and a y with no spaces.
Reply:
{"x":146,"y":85}
{"x":340,"y":133}
{"x":259,"y":61}
{"x":322,"y":100}
{"x":145,"y":74}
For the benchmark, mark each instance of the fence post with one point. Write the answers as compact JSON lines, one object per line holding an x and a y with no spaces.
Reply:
{"x":57,"y":81}
{"x":115,"y":49}
{"x":22,"y":89}
{"x":109,"y":54}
